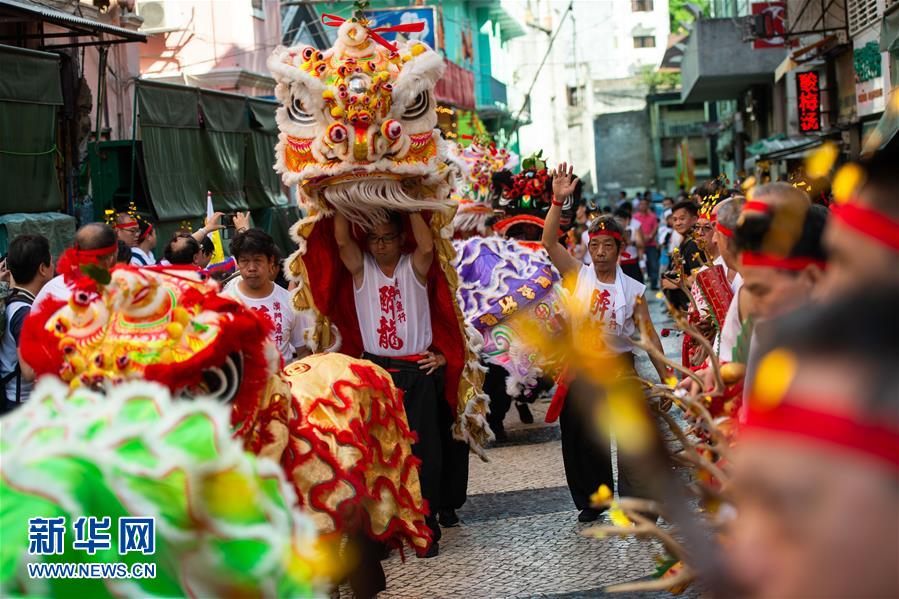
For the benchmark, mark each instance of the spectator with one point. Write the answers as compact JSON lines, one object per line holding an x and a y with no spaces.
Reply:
{"x":684,"y":217}
{"x":649,"y":225}
{"x":256,"y":255}
{"x":127,"y":229}
{"x":182,"y":249}
{"x":142,"y":253}
{"x":95,"y":243}
{"x":207,"y":249}
{"x":29,"y":263}
{"x":630,"y":248}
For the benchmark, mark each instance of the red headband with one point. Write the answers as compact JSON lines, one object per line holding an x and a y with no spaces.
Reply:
{"x":606,"y":232}
{"x":723,"y":230}
{"x":146,"y":233}
{"x":69,"y":264}
{"x":869,"y":222}
{"x":842,"y":430}
{"x":129,"y":225}
{"x":795,"y":263}
{"x":756,"y":206}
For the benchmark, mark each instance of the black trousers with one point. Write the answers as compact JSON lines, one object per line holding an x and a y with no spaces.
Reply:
{"x":587,"y":452}
{"x":421,"y":401}
{"x":454,"y":473}
{"x":500,"y":401}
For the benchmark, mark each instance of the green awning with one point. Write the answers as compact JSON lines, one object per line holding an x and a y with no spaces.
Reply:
{"x":30,"y":91}
{"x":58,"y":228}
{"x":29,"y":76}
{"x":198,"y":141}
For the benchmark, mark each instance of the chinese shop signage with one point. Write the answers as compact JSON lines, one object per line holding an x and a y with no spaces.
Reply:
{"x":808,"y":87}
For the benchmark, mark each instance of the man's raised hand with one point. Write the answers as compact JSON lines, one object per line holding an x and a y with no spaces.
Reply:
{"x":564,"y":181}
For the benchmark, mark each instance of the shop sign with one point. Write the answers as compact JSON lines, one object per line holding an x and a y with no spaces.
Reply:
{"x":808,"y":95}
{"x":384,"y":17}
{"x":771,"y":19}
{"x":871,"y":68}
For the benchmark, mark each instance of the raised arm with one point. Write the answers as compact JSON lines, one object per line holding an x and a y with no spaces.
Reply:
{"x":424,"y":245}
{"x":212,"y":223}
{"x":349,"y":251}
{"x":564,"y":183}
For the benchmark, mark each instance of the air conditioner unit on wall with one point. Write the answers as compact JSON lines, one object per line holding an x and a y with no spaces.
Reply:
{"x":162,"y":15}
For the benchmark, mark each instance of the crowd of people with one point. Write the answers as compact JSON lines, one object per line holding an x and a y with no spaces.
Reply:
{"x":762,"y":271}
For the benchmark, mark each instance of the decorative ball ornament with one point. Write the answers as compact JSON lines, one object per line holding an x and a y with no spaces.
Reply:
{"x":357,"y":84}
{"x":337,"y":133}
{"x":392,"y":129}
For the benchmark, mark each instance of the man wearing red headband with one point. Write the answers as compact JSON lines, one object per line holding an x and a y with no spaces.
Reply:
{"x":862,"y":237}
{"x":127,"y":229}
{"x":614,"y":300}
{"x":95,"y":243}
{"x":816,"y":472}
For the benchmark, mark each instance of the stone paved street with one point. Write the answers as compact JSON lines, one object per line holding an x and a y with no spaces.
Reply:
{"x":519,"y":535}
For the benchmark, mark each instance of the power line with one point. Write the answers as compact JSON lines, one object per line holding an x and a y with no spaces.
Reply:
{"x":552,"y":39}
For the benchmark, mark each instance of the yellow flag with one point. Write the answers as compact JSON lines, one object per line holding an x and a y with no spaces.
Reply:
{"x":218,"y":255}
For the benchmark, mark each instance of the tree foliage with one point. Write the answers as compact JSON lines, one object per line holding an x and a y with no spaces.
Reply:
{"x":681,"y":15}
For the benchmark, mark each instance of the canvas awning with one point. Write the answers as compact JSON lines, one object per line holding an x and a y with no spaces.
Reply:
{"x":80,"y":27}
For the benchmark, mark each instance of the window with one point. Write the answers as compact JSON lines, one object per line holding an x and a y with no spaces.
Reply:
{"x":258,"y":8}
{"x":862,"y":14}
{"x":644,"y":41}
{"x":641,"y":5}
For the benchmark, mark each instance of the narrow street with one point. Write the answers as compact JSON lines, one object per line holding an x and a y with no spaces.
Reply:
{"x":519,"y":535}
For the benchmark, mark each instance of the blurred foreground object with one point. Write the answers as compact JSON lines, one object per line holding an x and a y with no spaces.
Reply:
{"x":225,"y":521}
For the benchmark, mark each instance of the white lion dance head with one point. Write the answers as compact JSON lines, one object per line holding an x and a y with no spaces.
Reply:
{"x":358,"y":124}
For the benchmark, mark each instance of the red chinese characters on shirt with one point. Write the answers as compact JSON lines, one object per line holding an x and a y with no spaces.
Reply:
{"x":600,"y":303}
{"x":391,"y":313}
{"x":276,"y":318}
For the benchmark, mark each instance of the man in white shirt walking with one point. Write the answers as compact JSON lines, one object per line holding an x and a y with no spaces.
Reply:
{"x":613,"y":299}
{"x":391,"y":296}
{"x":255,"y":253}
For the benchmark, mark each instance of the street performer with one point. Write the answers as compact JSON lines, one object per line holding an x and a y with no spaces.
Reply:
{"x":614,"y":300}
{"x":391,"y":296}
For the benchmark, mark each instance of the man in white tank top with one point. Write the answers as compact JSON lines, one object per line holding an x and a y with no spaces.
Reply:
{"x":390,"y":289}
{"x":612,"y":298}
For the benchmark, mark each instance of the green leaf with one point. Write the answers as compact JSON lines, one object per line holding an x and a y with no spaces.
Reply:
{"x":741,"y":347}
{"x":97,"y":273}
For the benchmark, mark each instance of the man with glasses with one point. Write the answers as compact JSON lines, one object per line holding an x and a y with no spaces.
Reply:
{"x":391,"y":296}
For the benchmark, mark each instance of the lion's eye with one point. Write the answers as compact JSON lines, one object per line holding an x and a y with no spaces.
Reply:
{"x":297,"y":113}
{"x":418,"y":107}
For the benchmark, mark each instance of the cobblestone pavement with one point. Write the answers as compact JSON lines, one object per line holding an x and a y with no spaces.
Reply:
{"x":519,"y":535}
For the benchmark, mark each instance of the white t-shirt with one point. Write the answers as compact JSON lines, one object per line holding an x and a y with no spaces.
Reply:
{"x":290,"y":326}
{"x":55,"y":288}
{"x":732,"y":326}
{"x":610,"y":303}
{"x":629,"y":252}
{"x":394,"y":313}
{"x":137,"y":254}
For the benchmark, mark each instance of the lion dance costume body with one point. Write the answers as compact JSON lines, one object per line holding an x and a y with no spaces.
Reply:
{"x":335,"y":424}
{"x":358,"y":137}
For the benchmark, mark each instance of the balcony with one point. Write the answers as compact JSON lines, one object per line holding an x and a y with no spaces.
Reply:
{"x":718,"y":65}
{"x":491,"y":93}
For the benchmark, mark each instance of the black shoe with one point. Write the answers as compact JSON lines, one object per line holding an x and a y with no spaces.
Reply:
{"x":432,"y":551}
{"x":499,"y":435}
{"x":588,"y":515}
{"x":524,"y":413}
{"x":431,"y":522}
{"x":448,"y":518}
